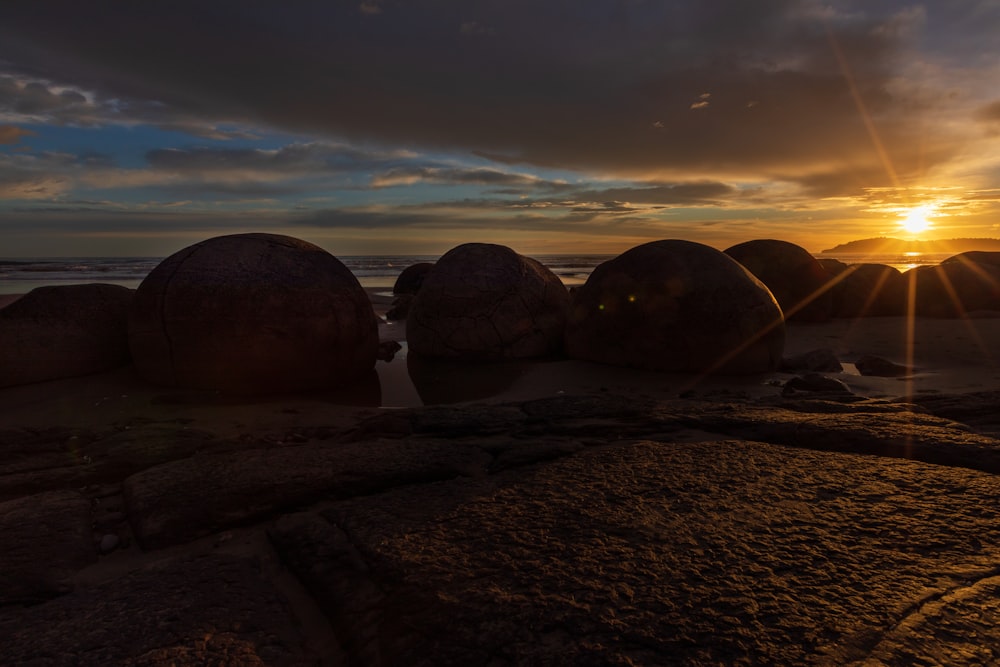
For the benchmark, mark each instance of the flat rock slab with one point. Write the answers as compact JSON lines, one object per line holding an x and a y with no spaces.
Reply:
{"x":207,"y":610}
{"x":46,"y":539}
{"x":722,"y":552}
{"x":180,"y":501}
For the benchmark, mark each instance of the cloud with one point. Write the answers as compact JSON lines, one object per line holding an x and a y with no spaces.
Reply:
{"x":485,"y":176}
{"x":11,"y":134}
{"x":989,"y":113}
{"x":606,"y":88}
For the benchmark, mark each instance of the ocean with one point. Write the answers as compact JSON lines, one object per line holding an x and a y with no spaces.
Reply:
{"x":19,"y":276}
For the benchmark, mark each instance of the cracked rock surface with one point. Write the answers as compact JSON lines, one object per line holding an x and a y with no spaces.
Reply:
{"x":572,"y":530}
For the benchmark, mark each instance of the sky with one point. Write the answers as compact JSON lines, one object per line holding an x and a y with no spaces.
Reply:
{"x":550,"y":126}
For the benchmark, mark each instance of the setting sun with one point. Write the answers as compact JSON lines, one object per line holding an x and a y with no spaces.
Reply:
{"x":917,"y":219}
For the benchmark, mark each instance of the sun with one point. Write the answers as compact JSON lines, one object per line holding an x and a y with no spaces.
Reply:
{"x":917,"y":219}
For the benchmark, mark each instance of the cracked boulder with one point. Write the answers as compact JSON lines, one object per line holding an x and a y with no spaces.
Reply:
{"x":64,"y":331}
{"x":485,"y":302}
{"x":796,"y":278}
{"x":252,"y":314}
{"x":676,"y":306}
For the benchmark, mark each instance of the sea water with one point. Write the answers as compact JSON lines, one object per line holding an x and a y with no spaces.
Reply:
{"x":19,"y":276}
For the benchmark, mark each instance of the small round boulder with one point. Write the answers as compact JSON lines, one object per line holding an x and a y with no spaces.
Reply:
{"x":796,"y":278}
{"x":64,"y":331}
{"x":676,"y":306}
{"x":252,"y":314}
{"x":484,"y":301}
{"x":411,"y":278}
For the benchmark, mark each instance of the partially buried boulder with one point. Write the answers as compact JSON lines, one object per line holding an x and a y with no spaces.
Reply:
{"x":797,"y":280}
{"x":64,"y":331}
{"x":485,"y":301}
{"x":252,"y":314}
{"x":676,"y":306}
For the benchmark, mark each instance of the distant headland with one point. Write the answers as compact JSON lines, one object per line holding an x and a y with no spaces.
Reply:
{"x":886,"y":245}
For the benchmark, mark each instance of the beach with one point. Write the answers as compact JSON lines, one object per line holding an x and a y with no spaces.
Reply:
{"x":555,"y":511}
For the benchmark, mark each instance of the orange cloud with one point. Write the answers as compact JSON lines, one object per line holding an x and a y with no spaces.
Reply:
{"x":11,"y":134}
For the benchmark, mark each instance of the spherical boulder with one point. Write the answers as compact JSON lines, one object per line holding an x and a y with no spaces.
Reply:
{"x":676,"y":306}
{"x":411,"y":278}
{"x":868,"y":290}
{"x":64,"y":331}
{"x":954,"y":288}
{"x":252,"y":314}
{"x":484,"y":301}
{"x":797,"y":280}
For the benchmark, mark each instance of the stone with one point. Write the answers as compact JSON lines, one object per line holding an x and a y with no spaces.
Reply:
{"x":821,"y":360}
{"x":816,"y":383}
{"x":214,"y":609}
{"x":183,"y":500}
{"x":708,"y":552}
{"x":411,"y":278}
{"x":64,"y":331}
{"x":486,"y":302}
{"x":990,"y":258}
{"x":676,"y":306}
{"x":796,"y":278}
{"x":870,"y":364}
{"x":869,"y":290}
{"x":400,"y":308}
{"x":46,"y":540}
{"x":955,"y":288}
{"x":109,"y":542}
{"x":252,"y":314}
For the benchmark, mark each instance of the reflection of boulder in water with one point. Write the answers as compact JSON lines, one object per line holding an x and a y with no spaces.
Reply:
{"x":448,"y":381}
{"x":366,"y":392}
{"x":678,"y":307}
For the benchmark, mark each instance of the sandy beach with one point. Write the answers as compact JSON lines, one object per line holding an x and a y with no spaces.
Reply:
{"x":553,"y":511}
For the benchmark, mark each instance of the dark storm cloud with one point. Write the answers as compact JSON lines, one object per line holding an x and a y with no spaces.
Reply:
{"x":604,"y":85}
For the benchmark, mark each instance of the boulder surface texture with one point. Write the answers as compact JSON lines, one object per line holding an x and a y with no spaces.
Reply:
{"x":796,"y":278}
{"x":959,"y":285}
{"x":676,"y":306}
{"x":483,"y":301}
{"x":252,"y":314}
{"x":64,"y":331}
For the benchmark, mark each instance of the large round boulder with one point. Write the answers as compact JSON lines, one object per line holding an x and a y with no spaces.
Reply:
{"x":483,"y":301}
{"x":64,"y":331}
{"x":868,"y":290}
{"x":797,"y":280}
{"x":954,"y":288}
{"x":252,"y":314}
{"x":676,"y":306}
